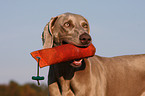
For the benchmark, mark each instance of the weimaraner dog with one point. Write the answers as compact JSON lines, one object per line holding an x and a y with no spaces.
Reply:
{"x":93,"y":76}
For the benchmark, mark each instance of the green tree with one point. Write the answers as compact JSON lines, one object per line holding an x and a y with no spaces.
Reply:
{"x":29,"y":89}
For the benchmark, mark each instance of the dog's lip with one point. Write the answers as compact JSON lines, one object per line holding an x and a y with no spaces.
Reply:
{"x":83,"y":46}
{"x":67,"y":42}
{"x":64,"y":42}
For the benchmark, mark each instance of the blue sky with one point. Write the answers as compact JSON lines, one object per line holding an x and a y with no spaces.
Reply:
{"x":117,"y":28}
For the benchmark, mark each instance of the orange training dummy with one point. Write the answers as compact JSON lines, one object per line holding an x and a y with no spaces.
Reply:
{"x":62,"y":53}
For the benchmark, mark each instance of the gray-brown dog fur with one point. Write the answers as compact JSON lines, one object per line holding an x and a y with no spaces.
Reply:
{"x":97,"y":76}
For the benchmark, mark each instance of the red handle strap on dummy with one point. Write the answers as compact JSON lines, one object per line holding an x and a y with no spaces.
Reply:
{"x":62,"y":53}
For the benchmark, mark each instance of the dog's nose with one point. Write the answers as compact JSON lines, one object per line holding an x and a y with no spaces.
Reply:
{"x":85,"y":38}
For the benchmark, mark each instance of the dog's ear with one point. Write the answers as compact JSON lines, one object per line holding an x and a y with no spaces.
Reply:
{"x":47,"y":35}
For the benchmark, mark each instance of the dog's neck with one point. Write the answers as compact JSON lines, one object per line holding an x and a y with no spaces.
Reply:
{"x":66,"y":70}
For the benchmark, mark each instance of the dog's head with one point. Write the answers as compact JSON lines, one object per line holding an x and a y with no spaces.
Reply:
{"x":67,"y":28}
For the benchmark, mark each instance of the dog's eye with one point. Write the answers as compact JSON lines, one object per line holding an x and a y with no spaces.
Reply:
{"x":66,"y":24}
{"x":85,"y":25}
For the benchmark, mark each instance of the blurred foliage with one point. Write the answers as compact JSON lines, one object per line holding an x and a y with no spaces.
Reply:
{"x":14,"y":89}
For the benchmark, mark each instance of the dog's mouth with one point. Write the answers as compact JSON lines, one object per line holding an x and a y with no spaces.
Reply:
{"x":77,"y":62}
{"x":82,"y":46}
{"x":64,"y":42}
